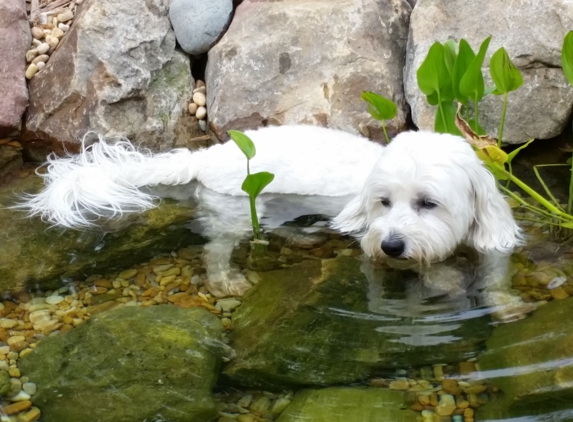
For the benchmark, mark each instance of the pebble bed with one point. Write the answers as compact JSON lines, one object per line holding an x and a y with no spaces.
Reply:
{"x":47,"y":33}
{"x":440,"y":393}
{"x":198,"y":105}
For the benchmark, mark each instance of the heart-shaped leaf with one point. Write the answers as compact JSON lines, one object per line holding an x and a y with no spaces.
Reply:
{"x":472,"y":83}
{"x":567,"y":56}
{"x":381,"y":108}
{"x":506,"y":76}
{"x":464,"y":58}
{"x":244,"y":143}
{"x":255,"y":183}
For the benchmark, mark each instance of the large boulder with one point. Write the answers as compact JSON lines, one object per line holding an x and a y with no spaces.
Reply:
{"x":117,"y":73}
{"x":34,"y":254}
{"x":322,"y":323}
{"x":130,"y":364}
{"x":532,"y":32}
{"x":531,"y":361}
{"x":199,"y":24}
{"x":310,"y":67}
{"x":15,"y":38}
{"x":343,"y":404}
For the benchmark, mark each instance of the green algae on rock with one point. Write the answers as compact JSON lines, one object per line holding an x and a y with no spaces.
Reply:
{"x":531,"y":361}
{"x":34,"y":255}
{"x":311,"y":324}
{"x":130,"y":364}
{"x":343,"y":404}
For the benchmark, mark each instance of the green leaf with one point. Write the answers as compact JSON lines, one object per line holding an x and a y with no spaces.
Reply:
{"x":381,"y":108}
{"x":505,"y":75}
{"x":255,"y":183}
{"x":514,"y":153}
{"x":433,"y":74}
{"x":472,"y":83}
{"x":449,"y":110}
{"x":465,"y":56}
{"x":450,"y":54}
{"x":433,"y":99}
{"x":567,"y":56}
{"x":244,"y":143}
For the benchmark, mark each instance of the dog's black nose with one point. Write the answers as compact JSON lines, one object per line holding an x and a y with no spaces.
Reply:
{"x":393,"y":247}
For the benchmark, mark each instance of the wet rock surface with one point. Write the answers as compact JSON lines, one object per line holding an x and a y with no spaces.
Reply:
{"x":531,"y":361}
{"x":320,"y":323}
{"x":34,"y":255}
{"x":347,"y":404}
{"x":130,"y":364}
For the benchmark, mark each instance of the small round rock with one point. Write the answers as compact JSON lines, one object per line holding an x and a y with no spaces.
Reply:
{"x":38,"y":33}
{"x":31,"y":71}
{"x":201,"y":113}
{"x":66,"y":16}
{"x":193,"y":109}
{"x":199,"y":99}
{"x":43,"y":48}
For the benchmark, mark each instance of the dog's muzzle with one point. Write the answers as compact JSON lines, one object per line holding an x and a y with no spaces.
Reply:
{"x":393,"y":246}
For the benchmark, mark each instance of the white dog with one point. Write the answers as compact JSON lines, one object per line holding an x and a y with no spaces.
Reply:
{"x":416,"y":199}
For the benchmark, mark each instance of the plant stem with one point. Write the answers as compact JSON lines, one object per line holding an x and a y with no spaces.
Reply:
{"x":570,"y":201}
{"x":545,"y":188}
{"x":255,"y":219}
{"x":385,"y":133}
{"x":476,"y":113}
{"x":502,"y":122}
{"x":540,"y":199}
{"x":441,"y":111}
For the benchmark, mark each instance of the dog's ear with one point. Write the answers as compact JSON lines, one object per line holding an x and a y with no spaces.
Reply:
{"x":494,"y":227}
{"x":352,"y":218}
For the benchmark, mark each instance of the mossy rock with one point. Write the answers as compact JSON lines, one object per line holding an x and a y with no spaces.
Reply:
{"x":35,"y":255}
{"x":311,"y":324}
{"x":531,"y":362}
{"x":130,"y":364}
{"x":4,"y":383}
{"x":342,"y":404}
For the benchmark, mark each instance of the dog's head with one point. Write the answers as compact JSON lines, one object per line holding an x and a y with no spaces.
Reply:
{"x":427,"y":194}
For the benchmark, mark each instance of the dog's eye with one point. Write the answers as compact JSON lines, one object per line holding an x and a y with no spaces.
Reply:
{"x":427,"y":204}
{"x":385,"y":202}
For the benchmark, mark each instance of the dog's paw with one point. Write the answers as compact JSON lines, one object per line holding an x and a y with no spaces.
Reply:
{"x":508,"y":307}
{"x":224,"y":284}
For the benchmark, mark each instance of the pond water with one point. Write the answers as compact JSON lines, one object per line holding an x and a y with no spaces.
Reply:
{"x":322,"y":335}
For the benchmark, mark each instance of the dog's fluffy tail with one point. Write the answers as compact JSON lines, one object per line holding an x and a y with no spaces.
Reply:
{"x":104,"y":180}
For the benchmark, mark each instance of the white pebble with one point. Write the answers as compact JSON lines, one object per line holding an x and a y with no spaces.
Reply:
{"x":31,"y":54}
{"x":201,"y":113}
{"x":556,"y":282}
{"x":21,"y":396}
{"x":36,"y":43}
{"x":29,"y":388}
{"x":199,"y":99}
{"x":64,"y":27}
{"x":43,"y":48}
{"x":52,"y":41}
{"x":203,"y":125}
{"x":41,"y":58}
{"x":54,"y":300}
{"x":66,"y":16}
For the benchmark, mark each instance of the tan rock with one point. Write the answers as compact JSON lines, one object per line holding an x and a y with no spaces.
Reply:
{"x":38,"y":33}
{"x":200,"y":99}
{"x":31,"y":54}
{"x":65,"y":16}
{"x":17,"y":407}
{"x":201,"y":113}
{"x":52,"y":41}
{"x":41,"y":58}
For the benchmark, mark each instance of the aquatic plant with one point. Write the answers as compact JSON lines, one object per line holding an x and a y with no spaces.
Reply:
{"x":254,"y":183}
{"x":381,"y":108}
{"x":447,"y":76}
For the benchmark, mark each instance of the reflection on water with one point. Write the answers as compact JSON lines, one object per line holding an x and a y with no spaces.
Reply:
{"x":320,"y":315}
